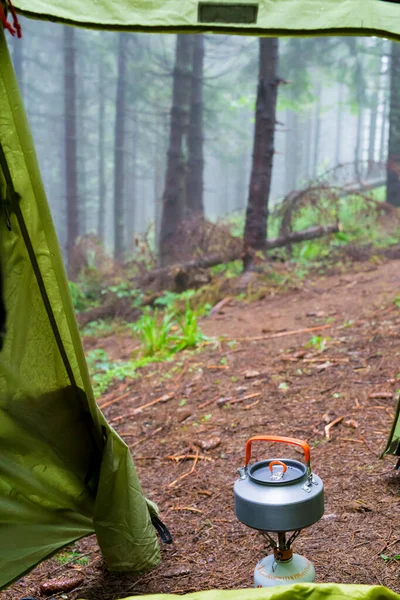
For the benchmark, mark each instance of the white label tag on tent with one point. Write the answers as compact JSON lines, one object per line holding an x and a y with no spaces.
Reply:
{"x":232,"y":12}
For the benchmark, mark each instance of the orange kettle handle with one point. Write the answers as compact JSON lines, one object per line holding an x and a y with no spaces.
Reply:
{"x":278,"y":438}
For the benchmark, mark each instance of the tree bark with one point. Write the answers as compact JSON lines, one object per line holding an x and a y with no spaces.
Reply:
{"x":131,"y":195}
{"x":382,"y":140}
{"x":339,"y":114}
{"x":70,"y":134}
{"x":307,"y":143}
{"x":317,"y":133}
{"x":263,"y":151}
{"x":360,"y":97}
{"x":195,"y":166}
{"x":291,"y":150}
{"x":174,"y":196}
{"x":372,"y":130}
{"x":119,"y":154}
{"x":101,"y":156}
{"x":393,"y":161}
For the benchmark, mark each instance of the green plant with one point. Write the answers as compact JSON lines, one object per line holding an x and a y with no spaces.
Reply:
{"x":80,"y":300}
{"x":71,"y":557}
{"x":190,"y":334}
{"x":386,"y":558}
{"x":317,"y":342}
{"x":169,"y":300}
{"x":125,"y":290}
{"x":155,"y":333}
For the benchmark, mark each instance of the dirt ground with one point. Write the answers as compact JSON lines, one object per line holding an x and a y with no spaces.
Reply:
{"x":292,"y":389}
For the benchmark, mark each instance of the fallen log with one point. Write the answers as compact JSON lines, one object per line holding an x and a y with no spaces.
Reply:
{"x":177,"y":271}
{"x":115,"y":307}
{"x":176,"y":277}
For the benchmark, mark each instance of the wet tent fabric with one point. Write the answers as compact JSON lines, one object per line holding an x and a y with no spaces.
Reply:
{"x":271,"y":17}
{"x":299,"y":591}
{"x":64,"y":473}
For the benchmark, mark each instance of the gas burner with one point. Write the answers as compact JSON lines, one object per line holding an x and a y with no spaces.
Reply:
{"x":279,"y":495}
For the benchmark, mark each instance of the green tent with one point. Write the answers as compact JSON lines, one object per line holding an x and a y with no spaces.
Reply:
{"x":64,"y":473}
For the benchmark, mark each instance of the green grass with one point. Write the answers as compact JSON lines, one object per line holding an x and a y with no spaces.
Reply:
{"x":154,"y":333}
{"x":71,"y":556}
{"x":358,"y":217}
{"x":161,"y":337}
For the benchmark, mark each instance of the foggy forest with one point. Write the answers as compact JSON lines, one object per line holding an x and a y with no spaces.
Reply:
{"x":108,"y":107}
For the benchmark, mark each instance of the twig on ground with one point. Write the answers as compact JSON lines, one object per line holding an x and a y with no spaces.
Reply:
{"x":164,"y":398}
{"x":188,"y":508}
{"x":173,"y":483}
{"x":188,"y":457}
{"x":330,"y":425}
{"x":251,"y":405}
{"x":105,"y":404}
{"x":381,"y":396}
{"x":281,"y":334}
{"x":207,"y":402}
{"x":224,"y":401}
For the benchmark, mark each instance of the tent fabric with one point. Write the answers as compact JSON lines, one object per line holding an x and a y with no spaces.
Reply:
{"x":267,"y":17}
{"x":298,"y":591}
{"x":64,"y":473}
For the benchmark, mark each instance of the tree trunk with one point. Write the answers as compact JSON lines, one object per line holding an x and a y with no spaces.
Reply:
{"x":358,"y":154}
{"x":372,"y":130}
{"x":119,"y":154}
{"x":174,"y":197}
{"x":291,"y":150}
{"x":263,"y":151}
{"x":382,"y":141}
{"x":360,"y":97}
{"x":317,"y":133}
{"x":339,"y":114}
{"x":307,"y":145}
{"x":101,"y":156}
{"x":131,"y":192}
{"x":70,"y":133}
{"x":195,"y":166}
{"x":393,"y":161}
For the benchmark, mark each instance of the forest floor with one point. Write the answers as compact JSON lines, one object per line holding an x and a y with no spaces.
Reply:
{"x":295,"y":384}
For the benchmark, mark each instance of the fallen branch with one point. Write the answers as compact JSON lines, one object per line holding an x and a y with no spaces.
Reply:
{"x":212,"y":260}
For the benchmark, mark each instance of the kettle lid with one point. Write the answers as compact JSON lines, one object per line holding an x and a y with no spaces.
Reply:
{"x":277,"y":471}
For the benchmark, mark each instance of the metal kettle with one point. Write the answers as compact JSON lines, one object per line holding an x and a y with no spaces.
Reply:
{"x":278,"y":494}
